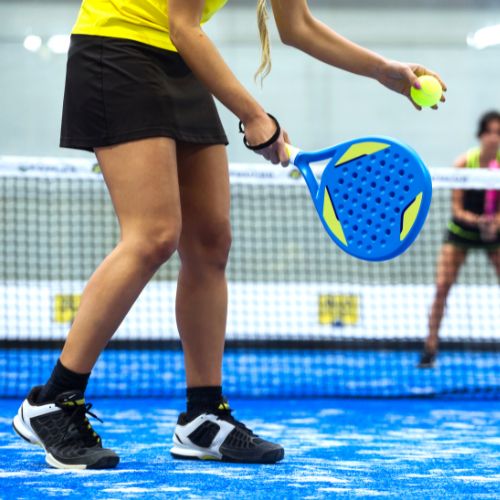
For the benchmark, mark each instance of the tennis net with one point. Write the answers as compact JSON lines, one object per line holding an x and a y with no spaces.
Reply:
{"x":305,"y":319}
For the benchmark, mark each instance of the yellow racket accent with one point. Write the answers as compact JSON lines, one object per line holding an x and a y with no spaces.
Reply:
{"x":361,"y":149}
{"x":331,"y":219}
{"x":409,"y":216}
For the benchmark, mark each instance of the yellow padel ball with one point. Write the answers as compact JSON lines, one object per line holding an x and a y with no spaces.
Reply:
{"x":430,"y":92}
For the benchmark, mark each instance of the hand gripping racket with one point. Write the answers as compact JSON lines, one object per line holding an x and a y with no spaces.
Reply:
{"x":373,"y":197}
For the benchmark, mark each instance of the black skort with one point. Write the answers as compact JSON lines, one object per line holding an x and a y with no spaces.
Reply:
{"x":469,"y":237}
{"x":119,"y":90}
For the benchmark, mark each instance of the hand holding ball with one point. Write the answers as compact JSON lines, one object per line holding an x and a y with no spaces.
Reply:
{"x":430,"y":92}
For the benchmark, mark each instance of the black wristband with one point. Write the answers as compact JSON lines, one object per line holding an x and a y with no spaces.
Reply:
{"x":266,"y":144}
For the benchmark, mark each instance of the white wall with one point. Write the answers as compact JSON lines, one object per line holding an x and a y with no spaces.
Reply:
{"x":318,"y":105}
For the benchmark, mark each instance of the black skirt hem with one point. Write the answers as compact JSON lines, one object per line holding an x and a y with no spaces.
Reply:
{"x":453,"y":239}
{"x":89,"y":144}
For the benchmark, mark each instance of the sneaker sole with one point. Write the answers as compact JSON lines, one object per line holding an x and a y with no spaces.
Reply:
{"x":22,"y":431}
{"x":271,"y":457}
{"x":102,"y":463}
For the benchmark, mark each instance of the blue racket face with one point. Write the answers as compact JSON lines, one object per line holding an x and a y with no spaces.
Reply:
{"x":374,"y":197}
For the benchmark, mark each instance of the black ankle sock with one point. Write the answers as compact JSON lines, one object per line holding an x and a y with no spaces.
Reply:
{"x":62,"y":380}
{"x":203,"y":398}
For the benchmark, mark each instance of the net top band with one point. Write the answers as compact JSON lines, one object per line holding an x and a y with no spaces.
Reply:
{"x":240,"y":173}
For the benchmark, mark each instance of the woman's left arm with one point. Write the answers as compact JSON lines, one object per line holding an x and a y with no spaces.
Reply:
{"x":300,"y":29}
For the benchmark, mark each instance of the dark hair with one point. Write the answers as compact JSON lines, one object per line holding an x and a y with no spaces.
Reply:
{"x":485,"y":120}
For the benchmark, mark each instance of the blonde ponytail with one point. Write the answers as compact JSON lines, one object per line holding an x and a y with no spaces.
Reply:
{"x":265,"y":63}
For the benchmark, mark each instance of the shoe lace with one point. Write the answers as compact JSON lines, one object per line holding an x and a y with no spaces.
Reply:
{"x":79,"y":419}
{"x":226,"y":415}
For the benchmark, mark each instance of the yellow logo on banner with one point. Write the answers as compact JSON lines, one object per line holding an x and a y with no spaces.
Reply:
{"x":65,"y":307}
{"x":338,"y":310}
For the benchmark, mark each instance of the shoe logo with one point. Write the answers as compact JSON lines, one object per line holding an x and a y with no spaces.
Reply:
{"x":72,"y":401}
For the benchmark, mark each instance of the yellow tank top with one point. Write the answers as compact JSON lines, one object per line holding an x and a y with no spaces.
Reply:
{"x":473,"y":158}
{"x":144,"y":21}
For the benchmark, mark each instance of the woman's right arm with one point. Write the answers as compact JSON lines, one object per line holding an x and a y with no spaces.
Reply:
{"x":201,"y":55}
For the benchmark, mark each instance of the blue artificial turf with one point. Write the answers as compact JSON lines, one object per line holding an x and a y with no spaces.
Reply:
{"x":345,"y":448}
{"x":270,"y":373}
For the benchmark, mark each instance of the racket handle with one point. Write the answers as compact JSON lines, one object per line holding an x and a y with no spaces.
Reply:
{"x":292,"y":152}
{"x":490,"y":201}
{"x":490,"y":198}
{"x":301,"y":162}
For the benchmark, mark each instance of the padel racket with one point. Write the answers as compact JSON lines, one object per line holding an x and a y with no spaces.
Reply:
{"x":490,"y":197}
{"x":373,"y":197}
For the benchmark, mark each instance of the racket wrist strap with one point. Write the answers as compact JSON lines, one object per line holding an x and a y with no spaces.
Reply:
{"x":266,"y":144}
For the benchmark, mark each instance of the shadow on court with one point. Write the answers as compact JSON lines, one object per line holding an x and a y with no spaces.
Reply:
{"x":335,"y":448}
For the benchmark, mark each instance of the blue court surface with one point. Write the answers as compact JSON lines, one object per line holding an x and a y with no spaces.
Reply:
{"x":270,"y":373}
{"x":345,"y":448}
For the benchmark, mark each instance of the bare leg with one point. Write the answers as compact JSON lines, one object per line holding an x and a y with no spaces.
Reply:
{"x":201,"y":303}
{"x":449,"y":263}
{"x":494,"y":258}
{"x":201,"y":309}
{"x":142,"y":180}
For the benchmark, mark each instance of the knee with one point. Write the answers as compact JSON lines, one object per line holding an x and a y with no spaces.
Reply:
{"x":155,"y":247}
{"x":161,"y":247}
{"x":209,"y":247}
{"x":214,"y":245}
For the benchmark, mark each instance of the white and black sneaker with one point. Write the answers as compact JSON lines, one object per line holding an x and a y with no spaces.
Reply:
{"x":427,"y":359}
{"x":62,"y":429}
{"x":217,"y":435}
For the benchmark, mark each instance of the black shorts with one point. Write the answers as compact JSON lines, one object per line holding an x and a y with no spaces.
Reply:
{"x":469,"y":238}
{"x":120,"y":90}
